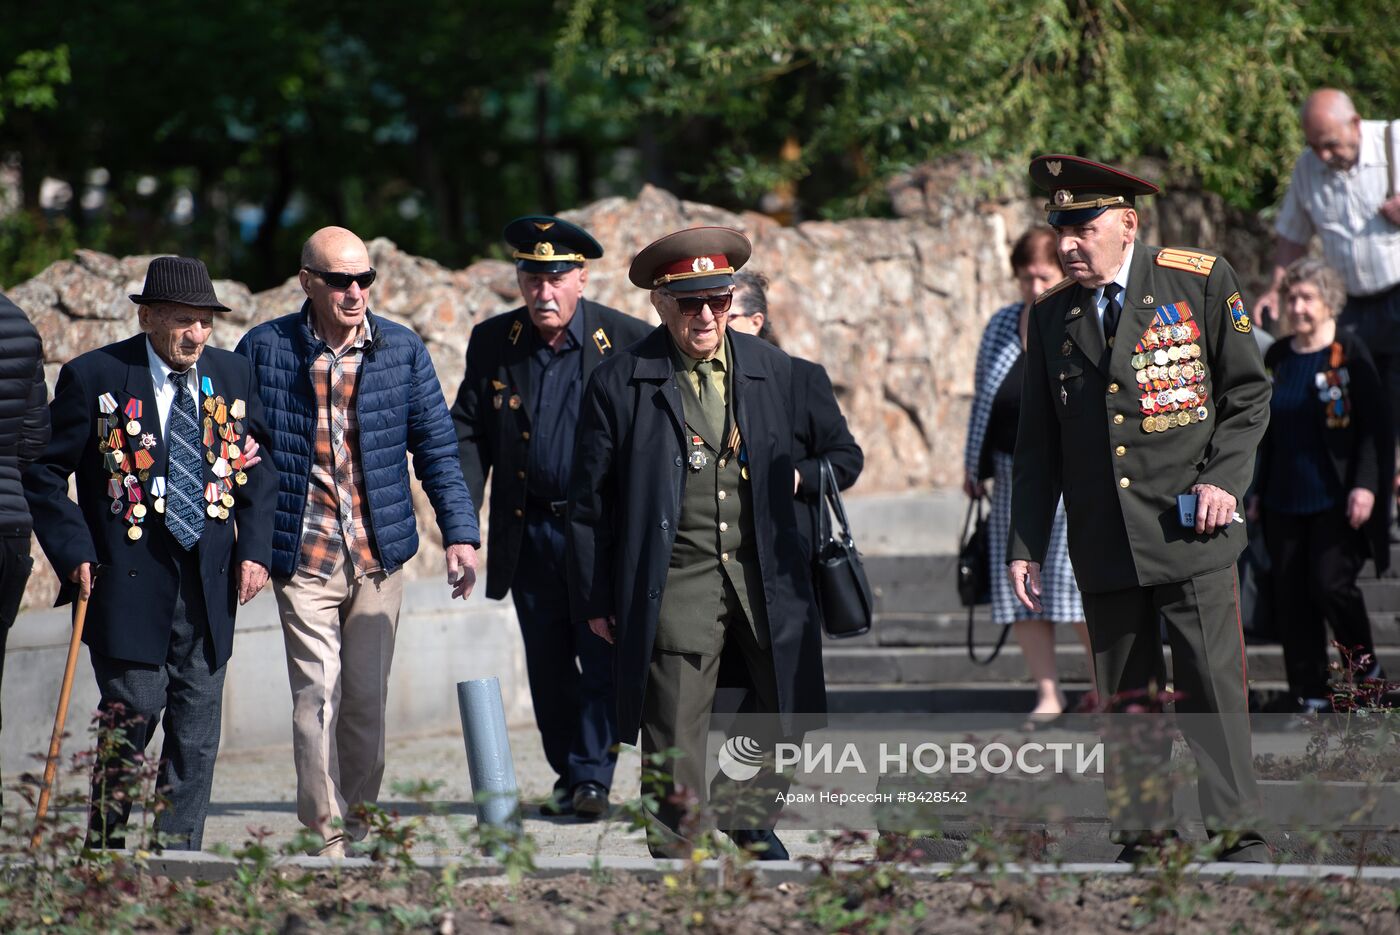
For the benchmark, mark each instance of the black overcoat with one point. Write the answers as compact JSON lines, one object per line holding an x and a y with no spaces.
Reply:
{"x":133,"y":594}
{"x":493,"y":437}
{"x":624,"y":501}
{"x":819,"y":431}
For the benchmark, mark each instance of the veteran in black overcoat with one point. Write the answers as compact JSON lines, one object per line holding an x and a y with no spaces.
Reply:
{"x":682,"y":533}
{"x":515,"y":415}
{"x":167,"y":556}
{"x":1144,"y":383}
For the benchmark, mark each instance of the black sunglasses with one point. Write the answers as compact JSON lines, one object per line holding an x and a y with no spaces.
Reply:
{"x":343,"y":280}
{"x":693,"y":304}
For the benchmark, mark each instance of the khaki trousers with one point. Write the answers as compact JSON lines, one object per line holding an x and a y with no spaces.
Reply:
{"x":339,"y":635}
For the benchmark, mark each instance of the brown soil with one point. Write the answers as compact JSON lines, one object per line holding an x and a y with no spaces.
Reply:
{"x":866,"y":901}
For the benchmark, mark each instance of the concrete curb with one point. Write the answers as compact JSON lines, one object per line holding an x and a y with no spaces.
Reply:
{"x":208,"y":867}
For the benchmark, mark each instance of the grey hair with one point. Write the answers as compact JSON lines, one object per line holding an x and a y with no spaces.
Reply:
{"x":1316,"y":271}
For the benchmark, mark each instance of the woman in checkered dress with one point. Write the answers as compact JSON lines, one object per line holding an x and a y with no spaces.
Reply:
{"x":991,"y":439}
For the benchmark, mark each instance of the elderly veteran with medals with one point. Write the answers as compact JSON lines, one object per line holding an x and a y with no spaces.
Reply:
{"x":515,"y":414}
{"x":683,"y":541}
{"x":171,"y":532}
{"x":1143,"y":383}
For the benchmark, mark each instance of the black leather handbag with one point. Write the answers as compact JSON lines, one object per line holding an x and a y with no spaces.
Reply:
{"x":843,"y":592}
{"x":975,"y":576}
{"x":974,"y":564}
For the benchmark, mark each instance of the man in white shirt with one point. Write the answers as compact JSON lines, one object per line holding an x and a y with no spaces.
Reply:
{"x":1343,"y":189}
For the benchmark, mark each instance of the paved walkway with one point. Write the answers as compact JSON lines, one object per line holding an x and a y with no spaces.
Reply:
{"x":256,"y":789}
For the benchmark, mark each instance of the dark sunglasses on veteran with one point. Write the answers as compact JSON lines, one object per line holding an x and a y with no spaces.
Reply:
{"x":343,"y":280}
{"x":694,"y":304}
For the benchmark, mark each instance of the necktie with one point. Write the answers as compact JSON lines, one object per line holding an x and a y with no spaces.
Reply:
{"x":184,"y":517}
{"x":1113,"y":310}
{"x":710,"y":402}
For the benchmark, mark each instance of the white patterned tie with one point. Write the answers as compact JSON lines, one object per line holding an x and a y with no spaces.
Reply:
{"x":184,"y":517}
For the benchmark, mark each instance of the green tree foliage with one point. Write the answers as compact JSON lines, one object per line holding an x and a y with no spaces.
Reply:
{"x":867,"y":88}
{"x":435,"y":121}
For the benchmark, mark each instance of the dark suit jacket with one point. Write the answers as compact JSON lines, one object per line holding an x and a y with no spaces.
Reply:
{"x":1362,"y":453}
{"x":134,"y":593}
{"x":818,"y":430}
{"x":1081,"y":430}
{"x":495,"y":440}
{"x":625,"y":500}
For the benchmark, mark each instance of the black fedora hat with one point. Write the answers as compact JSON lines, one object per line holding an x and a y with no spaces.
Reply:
{"x":181,"y":280}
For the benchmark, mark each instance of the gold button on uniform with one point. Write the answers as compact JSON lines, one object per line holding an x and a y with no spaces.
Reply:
{"x":1113,"y":387}
{"x":1124,"y":483}
{"x":1118,"y":419}
{"x":721,"y":494}
{"x":723,"y":527}
{"x":525,"y":436}
{"x":724,"y":556}
{"x":519,"y":513}
{"x":1120,"y":451}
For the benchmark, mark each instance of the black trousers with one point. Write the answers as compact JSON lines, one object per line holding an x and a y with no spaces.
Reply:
{"x":1316,"y":559}
{"x":190,"y":691}
{"x":570,"y":669}
{"x":15,"y":567}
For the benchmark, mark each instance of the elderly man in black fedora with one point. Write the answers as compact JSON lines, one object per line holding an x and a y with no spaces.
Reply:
{"x":171,"y":532}
{"x":683,"y":543}
{"x":515,"y":414}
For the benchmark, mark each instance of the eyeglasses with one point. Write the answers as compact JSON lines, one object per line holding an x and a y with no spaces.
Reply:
{"x":691,"y":305}
{"x":343,"y":280}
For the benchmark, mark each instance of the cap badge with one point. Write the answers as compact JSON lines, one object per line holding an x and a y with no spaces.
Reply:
{"x":544,"y":249}
{"x":1063,"y":197}
{"x":543,"y":225}
{"x":1055,"y":167}
{"x":702,"y":264}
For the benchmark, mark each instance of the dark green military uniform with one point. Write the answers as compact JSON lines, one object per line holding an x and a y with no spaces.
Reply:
{"x":1180,"y":398}
{"x":713,"y":596}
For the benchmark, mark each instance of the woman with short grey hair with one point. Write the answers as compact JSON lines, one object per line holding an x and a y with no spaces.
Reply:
{"x":1324,"y":484}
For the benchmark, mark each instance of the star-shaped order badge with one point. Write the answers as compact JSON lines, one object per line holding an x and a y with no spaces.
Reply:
{"x":148,"y":440}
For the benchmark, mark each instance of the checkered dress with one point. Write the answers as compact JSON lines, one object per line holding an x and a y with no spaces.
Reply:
{"x":1001,"y":345}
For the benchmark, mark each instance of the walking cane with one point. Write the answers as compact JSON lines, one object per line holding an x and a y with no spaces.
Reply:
{"x":51,"y":767}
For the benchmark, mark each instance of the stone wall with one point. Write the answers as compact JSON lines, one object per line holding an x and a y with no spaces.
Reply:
{"x":893,"y":308}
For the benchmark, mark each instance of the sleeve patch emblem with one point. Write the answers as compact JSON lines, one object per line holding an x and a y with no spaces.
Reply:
{"x":1238,"y":316}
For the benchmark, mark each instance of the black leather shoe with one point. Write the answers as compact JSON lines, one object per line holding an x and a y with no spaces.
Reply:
{"x":590,"y":801}
{"x":762,"y":844}
{"x":1246,"y":851}
{"x":1144,"y":848}
{"x":557,"y":803}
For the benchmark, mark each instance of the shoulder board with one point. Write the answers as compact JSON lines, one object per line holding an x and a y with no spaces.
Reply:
{"x":1062,"y":284}
{"x":1191,"y":261}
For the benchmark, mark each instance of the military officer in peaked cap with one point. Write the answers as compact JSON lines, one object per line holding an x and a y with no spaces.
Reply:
{"x":1143,"y":383}
{"x":682,"y":530}
{"x":515,"y":415}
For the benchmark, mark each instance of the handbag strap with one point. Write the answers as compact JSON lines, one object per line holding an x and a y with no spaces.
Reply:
{"x":832,"y":494}
{"x":972,"y":646}
{"x":823,"y":520}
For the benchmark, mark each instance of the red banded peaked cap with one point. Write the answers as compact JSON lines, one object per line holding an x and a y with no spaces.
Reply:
{"x":691,"y":260}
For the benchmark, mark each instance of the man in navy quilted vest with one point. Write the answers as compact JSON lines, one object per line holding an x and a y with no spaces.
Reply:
{"x":349,"y":395}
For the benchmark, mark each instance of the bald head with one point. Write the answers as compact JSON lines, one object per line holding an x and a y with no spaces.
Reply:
{"x":331,"y":243}
{"x":1332,"y":128}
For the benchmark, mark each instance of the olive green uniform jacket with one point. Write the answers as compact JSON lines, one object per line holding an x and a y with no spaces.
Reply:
{"x":1082,"y":431}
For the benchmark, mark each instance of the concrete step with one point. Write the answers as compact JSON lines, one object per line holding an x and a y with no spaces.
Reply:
{"x":938,"y":665}
{"x":949,"y":628}
{"x":984,"y":697}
